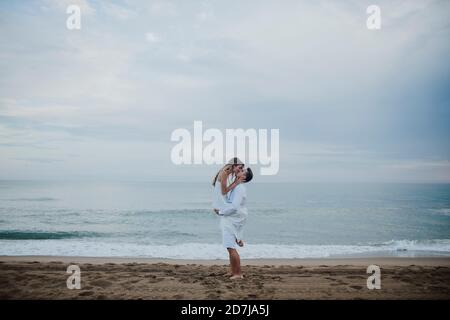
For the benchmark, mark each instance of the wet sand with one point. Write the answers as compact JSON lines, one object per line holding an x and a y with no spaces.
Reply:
{"x":40,"y":277}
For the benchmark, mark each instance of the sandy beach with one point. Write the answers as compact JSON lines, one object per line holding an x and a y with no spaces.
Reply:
{"x":39,"y":277}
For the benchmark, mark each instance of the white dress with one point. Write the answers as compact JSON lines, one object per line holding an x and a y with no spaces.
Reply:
{"x":218,"y":198}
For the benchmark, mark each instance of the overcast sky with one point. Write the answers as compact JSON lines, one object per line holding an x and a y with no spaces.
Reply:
{"x":351,"y":104}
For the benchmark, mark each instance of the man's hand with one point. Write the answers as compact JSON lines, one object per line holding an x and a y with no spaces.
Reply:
{"x":216,"y":211}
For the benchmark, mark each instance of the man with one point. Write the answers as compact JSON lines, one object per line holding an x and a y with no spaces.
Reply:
{"x":233,"y":215}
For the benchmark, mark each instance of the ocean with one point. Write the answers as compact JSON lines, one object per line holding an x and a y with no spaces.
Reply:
{"x":175,"y":220}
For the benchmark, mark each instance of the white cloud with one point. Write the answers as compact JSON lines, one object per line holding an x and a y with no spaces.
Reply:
{"x":118,"y":12}
{"x":151,"y":37}
{"x":184,"y":57}
{"x":311,"y":69}
{"x":10,"y":107}
{"x":162,"y":8}
{"x":206,"y":12}
{"x":85,"y":6}
{"x":419,"y":164}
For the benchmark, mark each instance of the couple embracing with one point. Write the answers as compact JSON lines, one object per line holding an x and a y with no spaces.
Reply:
{"x":229,"y":199}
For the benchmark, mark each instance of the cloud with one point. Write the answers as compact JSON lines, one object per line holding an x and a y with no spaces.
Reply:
{"x":420,"y":164}
{"x":118,"y":12}
{"x":62,"y":5}
{"x":14,"y":109}
{"x":151,"y":37}
{"x":137,"y":70}
{"x":162,"y":8}
{"x":206,"y":12}
{"x":39,"y":160}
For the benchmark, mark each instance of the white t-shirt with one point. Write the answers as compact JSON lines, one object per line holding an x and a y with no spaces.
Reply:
{"x":233,"y":214}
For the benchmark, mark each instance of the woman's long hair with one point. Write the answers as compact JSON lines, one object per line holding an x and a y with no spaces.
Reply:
{"x":226,"y":167}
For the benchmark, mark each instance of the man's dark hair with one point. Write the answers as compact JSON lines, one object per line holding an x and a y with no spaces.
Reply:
{"x":248,"y":175}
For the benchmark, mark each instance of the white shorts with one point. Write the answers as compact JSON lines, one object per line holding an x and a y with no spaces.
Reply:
{"x":228,"y":239}
{"x":231,"y":231}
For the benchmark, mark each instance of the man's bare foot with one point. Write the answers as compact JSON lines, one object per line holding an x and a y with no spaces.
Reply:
{"x":237,"y":277}
{"x":240,"y":243}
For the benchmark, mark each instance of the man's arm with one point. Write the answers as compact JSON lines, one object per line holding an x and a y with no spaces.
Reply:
{"x":230,"y":208}
{"x":223,"y":185}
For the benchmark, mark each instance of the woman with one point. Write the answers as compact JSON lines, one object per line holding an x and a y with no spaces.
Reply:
{"x":225,"y":181}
